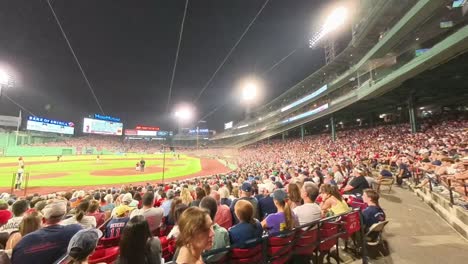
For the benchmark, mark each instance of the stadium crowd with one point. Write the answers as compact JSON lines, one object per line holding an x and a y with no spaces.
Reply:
{"x":277,"y":186}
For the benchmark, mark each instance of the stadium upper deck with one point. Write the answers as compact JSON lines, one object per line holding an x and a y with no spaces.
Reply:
{"x":427,"y":35}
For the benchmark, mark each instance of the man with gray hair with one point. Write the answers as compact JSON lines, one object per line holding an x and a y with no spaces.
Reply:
{"x":48,"y":243}
{"x":309,"y":211}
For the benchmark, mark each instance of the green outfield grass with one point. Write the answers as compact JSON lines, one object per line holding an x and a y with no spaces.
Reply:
{"x":80,"y":169}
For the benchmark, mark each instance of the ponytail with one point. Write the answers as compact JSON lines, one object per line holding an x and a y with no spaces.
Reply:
{"x":288,"y":216}
{"x":79,"y":215}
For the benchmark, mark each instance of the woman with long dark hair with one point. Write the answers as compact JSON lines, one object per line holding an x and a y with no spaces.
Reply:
{"x":332,"y":201}
{"x":137,"y":245}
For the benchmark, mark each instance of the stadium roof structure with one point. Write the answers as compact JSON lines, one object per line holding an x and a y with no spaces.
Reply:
{"x":390,"y":63}
{"x":377,"y":16}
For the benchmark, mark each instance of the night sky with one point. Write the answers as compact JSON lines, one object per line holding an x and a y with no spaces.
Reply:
{"x":127,"y":50}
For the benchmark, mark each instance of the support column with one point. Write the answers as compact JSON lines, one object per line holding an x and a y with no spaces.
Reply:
{"x":333,"y":128}
{"x":302,"y":132}
{"x":283,"y":135}
{"x":412,"y":115}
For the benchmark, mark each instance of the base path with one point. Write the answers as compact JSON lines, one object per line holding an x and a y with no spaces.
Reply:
{"x":416,"y":234}
{"x":209,"y":167}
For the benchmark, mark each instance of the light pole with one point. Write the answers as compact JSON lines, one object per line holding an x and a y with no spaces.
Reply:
{"x":164,"y":162}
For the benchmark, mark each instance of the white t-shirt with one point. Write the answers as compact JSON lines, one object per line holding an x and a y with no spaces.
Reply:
{"x":87,"y":221}
{"x":12,"y":224}
{"x":307,"y":213}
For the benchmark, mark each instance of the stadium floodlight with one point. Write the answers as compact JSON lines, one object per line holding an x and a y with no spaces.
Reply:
{"x":4,"y":78}
{"x":336,"y":19}
{"x":249,"y":91}
{"x":184,"y":113}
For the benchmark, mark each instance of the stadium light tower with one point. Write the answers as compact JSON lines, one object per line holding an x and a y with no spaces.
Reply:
{"x":334,"y":21}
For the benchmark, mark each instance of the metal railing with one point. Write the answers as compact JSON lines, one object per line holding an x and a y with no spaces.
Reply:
{"x":225,"y":255}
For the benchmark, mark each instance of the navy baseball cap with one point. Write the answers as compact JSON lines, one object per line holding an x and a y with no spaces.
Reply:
{"x":246,"y":187}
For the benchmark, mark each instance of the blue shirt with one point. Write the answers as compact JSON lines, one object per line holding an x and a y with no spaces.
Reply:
{"x":115,"y":226}
{"x":166,"y":206}
{"x":245,"y":232}
{"x":372,"y":215}
{"x":266,"y":206}
{"x":45,"y":245}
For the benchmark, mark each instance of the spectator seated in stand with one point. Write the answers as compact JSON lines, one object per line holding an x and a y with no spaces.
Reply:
{"x":115,"y":226}
{"x":373,"y":213}
{"x":19,"y":208}
{"x":152,"y":215}
{"x":309,"y":211}
{"x":332,"y":201}
{"x":82,"y":245}
{"x":221,"y":235}
{"x":284,"y":219}
{"x":80,"y":217}
{"x":196,"y":235}
{"x":137,"y":244}
{"x":248,"y":229}
{"x":48,"y":243}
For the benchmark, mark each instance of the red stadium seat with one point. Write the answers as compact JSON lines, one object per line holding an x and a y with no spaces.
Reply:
{"x":327,"y":240}
{"x":352,"y":225}
{"x":306,"y":242}
{"x":326,"y":232}
{"x":108,"y":242}
{"x":246,"y":255}
{"x":106,"y":255}
{"x":280,"y":248}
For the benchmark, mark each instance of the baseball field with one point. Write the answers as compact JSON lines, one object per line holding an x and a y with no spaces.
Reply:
{"x":46,"y":174}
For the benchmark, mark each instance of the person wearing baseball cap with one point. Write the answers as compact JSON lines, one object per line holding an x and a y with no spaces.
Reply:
{"x":81,"y":246}
{"x":118,"y":221}
{"x":48,"y":243}
{"x":245,"y":193}
{"x":284,"y":219}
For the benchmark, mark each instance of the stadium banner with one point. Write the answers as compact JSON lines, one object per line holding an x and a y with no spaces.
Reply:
{"x":102,"y":127}
{"x":164,"y":133}
{"x":131,"y":132}
{"x":36,"y":123}
{"x":106,"y":118}
{"x":228,"y":125}
{"x":148,"y":128}
{"x":147,"y":133}
{"x":9,"y":121}
{"x":201,"y":131}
